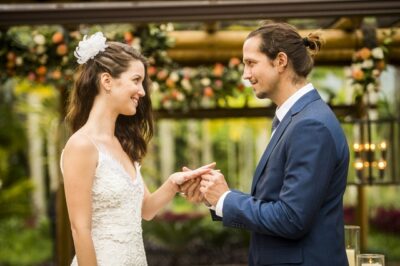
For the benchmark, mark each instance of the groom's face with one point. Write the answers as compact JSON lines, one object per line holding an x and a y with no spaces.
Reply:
{"x":259,"y":69}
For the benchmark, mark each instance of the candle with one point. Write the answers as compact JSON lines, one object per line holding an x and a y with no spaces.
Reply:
{"x":357,"y":150}
{"x":382,"y":166}
{"x":370,"y":260}
{"x":371,"y":153}
{"x":359,"y":165}
{"x":351,"y":256}
{"x":383,"y":148}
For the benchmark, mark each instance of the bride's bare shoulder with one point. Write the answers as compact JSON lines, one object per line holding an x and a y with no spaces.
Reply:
{"x":80,"y":143}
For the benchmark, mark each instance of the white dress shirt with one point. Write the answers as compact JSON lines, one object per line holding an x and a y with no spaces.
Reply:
{"x":280,"y":113}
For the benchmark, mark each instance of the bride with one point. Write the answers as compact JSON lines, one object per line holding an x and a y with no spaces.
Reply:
{"x":110,"y":115}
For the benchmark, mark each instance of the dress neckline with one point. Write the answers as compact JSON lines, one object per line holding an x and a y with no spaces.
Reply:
{"x":120,"y":165}
{"x":102,"y":149}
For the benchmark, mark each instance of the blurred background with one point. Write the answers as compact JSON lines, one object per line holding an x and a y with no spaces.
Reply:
{"x":204,"y":112}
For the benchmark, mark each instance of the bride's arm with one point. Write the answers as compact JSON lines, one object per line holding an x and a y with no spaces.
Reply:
{"x":153,"y":202}
{"x":79,"y":163}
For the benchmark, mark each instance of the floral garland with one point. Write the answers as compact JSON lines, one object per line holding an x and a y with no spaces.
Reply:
{"x":192,"y":88}
{"x":366,"y":69}
{"x":45,"y":55}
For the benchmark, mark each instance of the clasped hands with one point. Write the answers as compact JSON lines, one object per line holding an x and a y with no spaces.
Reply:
{"x":204,"y":184}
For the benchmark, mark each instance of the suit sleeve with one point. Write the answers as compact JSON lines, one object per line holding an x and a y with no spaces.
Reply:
{"x":309,"y":167}
{"x":215,"y":217}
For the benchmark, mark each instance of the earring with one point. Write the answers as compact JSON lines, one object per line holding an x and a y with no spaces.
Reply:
{"x":108,"y":91}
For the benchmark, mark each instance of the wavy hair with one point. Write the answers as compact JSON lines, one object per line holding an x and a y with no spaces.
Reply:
{"x":133,"y":132}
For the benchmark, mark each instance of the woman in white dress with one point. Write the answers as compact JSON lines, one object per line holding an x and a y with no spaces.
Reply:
{"x":110,"y":115}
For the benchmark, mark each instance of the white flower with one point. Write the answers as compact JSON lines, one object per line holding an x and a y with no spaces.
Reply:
{"x":348,"y":72}
{"x":19,"y":61}
{"x":205,"y":82}
{"x":155,"y":86}
{"x":371,"y":87}
{"x":174,"y":76}
{"x":136,"y":44}
{"x":180,"y":97}
{"x":39,"y":39}
{"x":170,"y":27}
{"x":186,"y":84}
{"x":64,"y":60}
{"x":88,"y":48}
{"x":356,"y":66}
{"x":376,"y":73}
{"x":167,"y":104}
{"x":40,"y":49}
{"x":377,"y":53}
{"x":43,"y":59}
{"x":163,"y":53}
{"x":358,"y":87}
{"x":246,"y":82}
{"x":373,"y":97}
{"x":368,"y":64}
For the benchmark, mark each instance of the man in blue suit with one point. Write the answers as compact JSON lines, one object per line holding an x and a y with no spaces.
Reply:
{"x":295,"y":209}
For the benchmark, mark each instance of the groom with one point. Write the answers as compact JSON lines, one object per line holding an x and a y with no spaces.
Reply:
{"x":294,"y":211}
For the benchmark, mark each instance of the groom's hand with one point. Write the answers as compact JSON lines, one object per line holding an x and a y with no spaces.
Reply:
{"x":191,"y":190}
{"x":213,"y":185}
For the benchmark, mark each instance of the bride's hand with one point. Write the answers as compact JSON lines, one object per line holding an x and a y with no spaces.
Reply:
{"x":190,"y":190}
{"x":179,"y":178}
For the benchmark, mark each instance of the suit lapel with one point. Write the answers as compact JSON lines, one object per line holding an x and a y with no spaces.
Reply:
{"x":271,"y":145}
{"x":297,"y":107}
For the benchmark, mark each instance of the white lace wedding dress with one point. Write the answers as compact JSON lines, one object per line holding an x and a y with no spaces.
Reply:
{"x":116,"y":214}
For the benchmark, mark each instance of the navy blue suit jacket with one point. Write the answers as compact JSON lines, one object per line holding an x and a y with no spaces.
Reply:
{"x":295,"y":210}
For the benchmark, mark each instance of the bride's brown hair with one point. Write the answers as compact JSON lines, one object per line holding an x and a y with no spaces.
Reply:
{"x":133,"y":132}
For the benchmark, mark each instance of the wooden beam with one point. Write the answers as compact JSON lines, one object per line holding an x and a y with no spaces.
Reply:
{"x":169,"y":11}
{"x":193,"y":47}
{"x":347,"y":23}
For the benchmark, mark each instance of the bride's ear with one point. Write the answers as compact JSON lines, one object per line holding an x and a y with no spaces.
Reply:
{"x":106,"y":82}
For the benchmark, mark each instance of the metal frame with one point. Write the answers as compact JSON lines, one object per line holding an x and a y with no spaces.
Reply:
{"x":211,"y":10}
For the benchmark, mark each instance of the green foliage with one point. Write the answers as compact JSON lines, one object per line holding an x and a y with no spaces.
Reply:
{"x":189,"y":226}
{"x":22,"y":245}
{"x":329,"y":81}
{"x":12,"y":142}
{"x":14,"y":185}
{"x":174,"y":230}
{"x":15,"y":200}
{"x":384,"y":243}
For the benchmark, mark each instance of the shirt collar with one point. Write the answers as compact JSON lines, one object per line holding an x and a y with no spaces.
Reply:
{"x":285,"y":107}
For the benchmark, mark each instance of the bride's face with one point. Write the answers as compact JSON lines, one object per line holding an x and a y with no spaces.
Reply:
{"x":128,"y":88}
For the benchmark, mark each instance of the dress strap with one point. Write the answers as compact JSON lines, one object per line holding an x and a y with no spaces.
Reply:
{"x":91,"y":140}
{"x":61,"y":162}
{"x":86,"y":136}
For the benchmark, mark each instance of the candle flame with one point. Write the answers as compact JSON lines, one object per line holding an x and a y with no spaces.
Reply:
{"x":382,"y":164}
{"x":358,"y":164}
{"x":372,"y":147}
{"x":357,"y":147}
{"x":383,"y":145}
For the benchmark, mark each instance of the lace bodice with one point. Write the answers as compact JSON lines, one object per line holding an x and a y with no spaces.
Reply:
{"x":116,"y":214}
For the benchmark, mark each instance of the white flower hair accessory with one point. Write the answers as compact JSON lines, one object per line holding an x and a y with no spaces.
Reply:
{"x":88,"y":48}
